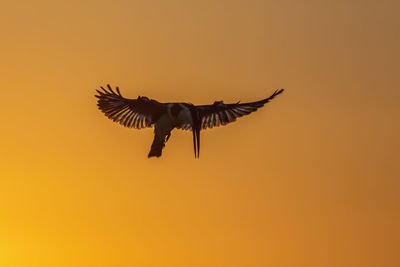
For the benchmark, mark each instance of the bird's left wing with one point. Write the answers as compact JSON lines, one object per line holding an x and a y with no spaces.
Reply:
{"x":134,"y":113}
{"x":221,"y":114}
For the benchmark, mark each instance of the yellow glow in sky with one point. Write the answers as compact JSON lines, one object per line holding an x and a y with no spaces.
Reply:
{"x":311,"y":179}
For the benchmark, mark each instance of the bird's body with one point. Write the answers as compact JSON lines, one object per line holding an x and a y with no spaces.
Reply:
{"x":144,"y":112}
{"x":176,"y":116}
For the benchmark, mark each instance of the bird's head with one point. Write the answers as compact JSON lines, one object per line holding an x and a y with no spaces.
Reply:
{"x":143,"y":98}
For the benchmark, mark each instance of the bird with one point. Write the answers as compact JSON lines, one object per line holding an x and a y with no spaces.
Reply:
{"x":143,"y":112}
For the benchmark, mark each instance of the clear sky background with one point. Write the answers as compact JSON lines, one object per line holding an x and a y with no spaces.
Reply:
{"x":312,"y":179}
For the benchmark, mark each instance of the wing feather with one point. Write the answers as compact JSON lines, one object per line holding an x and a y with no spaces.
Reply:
{"x":134,"y":113}
{"x":222,"y":114}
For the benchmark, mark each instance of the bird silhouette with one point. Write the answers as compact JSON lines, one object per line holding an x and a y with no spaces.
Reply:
{"x":144,"y":112}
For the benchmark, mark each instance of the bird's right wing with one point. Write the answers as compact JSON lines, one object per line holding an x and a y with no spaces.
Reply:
{"x":222,"y":114}
{"x":134,"y":113}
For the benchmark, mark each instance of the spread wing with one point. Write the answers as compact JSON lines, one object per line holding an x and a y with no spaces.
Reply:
{"x":134,"y":113}
{"x":222,"y":114}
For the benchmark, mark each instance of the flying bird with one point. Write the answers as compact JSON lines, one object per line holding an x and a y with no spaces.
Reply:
{"x":144,"y":112}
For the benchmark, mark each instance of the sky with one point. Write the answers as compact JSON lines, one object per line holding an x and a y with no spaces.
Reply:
{"x":311,"y":179}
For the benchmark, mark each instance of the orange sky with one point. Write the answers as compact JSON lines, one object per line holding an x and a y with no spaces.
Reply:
{"x":311,"y":180}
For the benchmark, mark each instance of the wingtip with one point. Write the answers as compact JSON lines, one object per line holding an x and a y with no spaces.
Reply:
{"x":119,"y":93}
{"x":276,"y":92}
{"x":105,"y":91}
{"x":108,"y":90}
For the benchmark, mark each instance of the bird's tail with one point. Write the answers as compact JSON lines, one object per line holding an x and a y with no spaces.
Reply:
{"x":196,"y":142}
{"x":157,"y":146}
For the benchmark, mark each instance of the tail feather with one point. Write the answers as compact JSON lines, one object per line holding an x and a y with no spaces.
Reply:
{"x":196,"y":127}
{"x":196,"y":142}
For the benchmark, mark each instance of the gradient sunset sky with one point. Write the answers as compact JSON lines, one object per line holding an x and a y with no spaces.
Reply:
{"x":310,"y":180}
